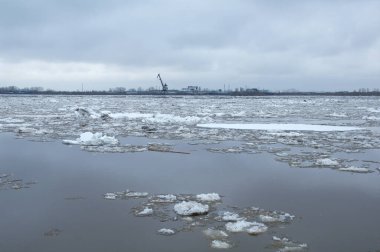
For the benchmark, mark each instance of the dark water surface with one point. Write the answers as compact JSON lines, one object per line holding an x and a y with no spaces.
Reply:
{"x":335,"y":211}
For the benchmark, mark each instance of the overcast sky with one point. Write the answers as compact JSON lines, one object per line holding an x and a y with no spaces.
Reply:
{"x":269,"y":44}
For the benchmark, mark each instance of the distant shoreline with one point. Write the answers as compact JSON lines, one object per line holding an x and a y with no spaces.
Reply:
{"x":202,"y":93}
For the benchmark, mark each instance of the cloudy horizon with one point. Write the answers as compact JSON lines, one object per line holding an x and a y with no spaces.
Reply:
{"x":277,"y":45}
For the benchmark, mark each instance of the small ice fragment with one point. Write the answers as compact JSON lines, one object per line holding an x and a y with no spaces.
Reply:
{"x":137,"y":194}
{"x":215,"y":233}
{"x":166,"y":231}
{"x":208,"y":197}
{"x":327,"y":162}
{"x":229,"y":216}
{"x":258,"y":228}
{"x":110,"y":196}
{"x":238,"y":226}
{"x":355,"y":169}
{"x":190,"y":208}
{"x":217,"y":244}
{"x":250,"y":227}
{"x":188,"y":219}
{"x":285,"y":217}
{"x":300,"y":247}
{"x":267,"y":218}
{"x":164,"y":198}
{"x":145,"y":211}
{"x":278,"y":239}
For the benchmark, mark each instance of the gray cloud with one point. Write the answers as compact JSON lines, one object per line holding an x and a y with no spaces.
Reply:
{"x":310,"y":45}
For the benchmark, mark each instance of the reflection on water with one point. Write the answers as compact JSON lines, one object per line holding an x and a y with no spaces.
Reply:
{"x":334,"y":211}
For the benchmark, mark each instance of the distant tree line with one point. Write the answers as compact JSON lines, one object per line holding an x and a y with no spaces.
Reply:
{"x":152,"y":91}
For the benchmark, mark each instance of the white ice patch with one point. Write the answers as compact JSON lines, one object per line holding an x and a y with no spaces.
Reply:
{"x":327,"y":162}
{"x":146,"y":211}
{"x":215,"y":233}
{"x":286,"y":134}
{"x":288,"y":245}
{"x":229,"y":216}
{"x":246,"y":226}
{"x":355,"y":169}
{"x":338,"y":115}
{"x":267,"y":218}
{"x":371,"y":118}
{"x":130,"y":116}
{"x":217,"y":244}
{"x":258,"y":228}
{"x":164,"y":198}
{"x":277,"y":127}
{"x":208,"y":197}
{"x":11,"y":120}
{"x":137,"y":194}
{"x":110,"y":196}
{"x":190,"y":208}
{"x":166,"y":231}
{"x":285,"y":217}
{"x":173,"y":119}
{"x":89,"y":138}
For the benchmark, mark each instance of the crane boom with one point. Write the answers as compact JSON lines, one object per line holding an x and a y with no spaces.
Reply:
{"x":164,"y":86}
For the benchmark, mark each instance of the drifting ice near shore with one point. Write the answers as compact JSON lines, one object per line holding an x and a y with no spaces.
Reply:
{"x":275,"y":127}
{"x":245,"y":226}
{"x":89,"y":138}
{"x":190,"y":208}
{"x":208,"y":197}
{"x":327,"y":162}
{"x":220,"y":244}
{"x":146,"y":211}
{"x":355,"y":169}
{"x":166,"y":231}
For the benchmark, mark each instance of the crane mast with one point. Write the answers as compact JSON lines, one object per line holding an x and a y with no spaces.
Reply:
{"x":164,"y":85}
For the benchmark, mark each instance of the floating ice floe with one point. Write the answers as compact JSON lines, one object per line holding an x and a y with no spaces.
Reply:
{"x":136,"y":194}
{"x":145,"y":212}
{"x":229,"y":216}
{"x":355,"y":169}
{"x":208,"y":197}
{"x":215,"y":233}
{"x":110,"y":196}
{"x":190,"y":208}
{"x":217,"y":244}
{"x":338,"y":115}
{"x":286,"y":134}
{"x":164,"y":198}
{"x":88,"y":138}
{"x":327,"y":162}
{"x":286,"y":245}
{"x":166,"y":231}
{"x":191,"y":214}
{"x":246,"y":226}
{"x":277,"y":127}
{"x":283,"y":217}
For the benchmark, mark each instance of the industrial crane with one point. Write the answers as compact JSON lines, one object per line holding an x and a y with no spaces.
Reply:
{"x":164,"y":86}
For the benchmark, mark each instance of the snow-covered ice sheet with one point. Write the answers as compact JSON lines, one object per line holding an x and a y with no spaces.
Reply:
{"x":321,"y":126}
{"x":277,"y":127}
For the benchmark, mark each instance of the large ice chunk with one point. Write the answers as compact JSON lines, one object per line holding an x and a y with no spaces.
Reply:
{"x":89,"y":138}
{"x":327,"y":162}
{"x":208,"y":197}
{"x":217,"y":244}
{"x":191,"y":208}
